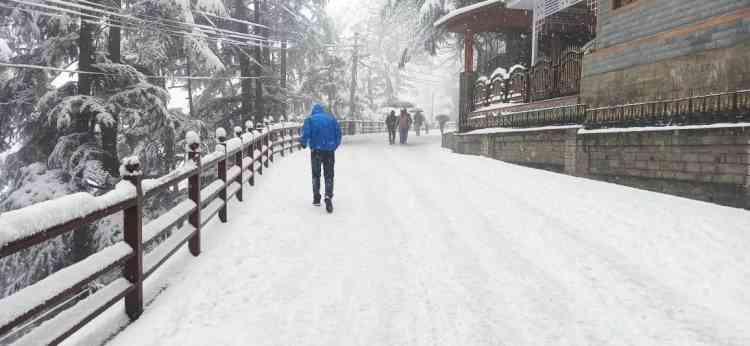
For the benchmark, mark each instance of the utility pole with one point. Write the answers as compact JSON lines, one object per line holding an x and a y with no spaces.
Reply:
{"x":353,"y":91}
{"x":331,"y":86}
{"x":259,"y":112}
{"x":283,"y":76}
{"x":190,"y":87}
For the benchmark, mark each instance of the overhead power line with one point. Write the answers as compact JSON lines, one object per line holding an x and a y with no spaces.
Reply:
{"x":168,"y":32}
{"x":56,"y":69}
{"x":174,"y":26}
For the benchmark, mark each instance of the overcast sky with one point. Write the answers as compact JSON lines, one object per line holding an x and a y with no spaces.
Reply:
{"x":348,"y":12}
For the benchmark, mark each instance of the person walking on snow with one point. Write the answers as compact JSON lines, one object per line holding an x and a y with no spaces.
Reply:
{"x":418,"y":121}
{"x":322,"y":133}
{"x":404,"y":123}
{"x":391,"y":122}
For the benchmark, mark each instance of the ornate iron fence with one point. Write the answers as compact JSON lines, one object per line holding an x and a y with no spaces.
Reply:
{"x":727,"y":107}
{"x":565,"y":115}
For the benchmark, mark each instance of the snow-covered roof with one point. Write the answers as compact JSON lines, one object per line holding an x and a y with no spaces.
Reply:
{"x":521,"y":4}
{"x":465,"y":9}
{"x":514,"y":68}
{"x":500,"y":72}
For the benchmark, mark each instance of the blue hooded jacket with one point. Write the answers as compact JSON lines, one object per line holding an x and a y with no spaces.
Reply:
{"x":321,"y":131}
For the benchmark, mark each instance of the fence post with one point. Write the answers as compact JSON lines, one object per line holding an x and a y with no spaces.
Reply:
{"x":267,"y":143}
{"x":291,"y":140}
{"x":133,"y":235}
{"x":221,"y":135}
{"x":282,"y":134}
{"x":272,"y":142}
{"x":238,"y":162}
{"x":251,"y":152}
{"x":194,"y":191}
{"x":259,"y":145}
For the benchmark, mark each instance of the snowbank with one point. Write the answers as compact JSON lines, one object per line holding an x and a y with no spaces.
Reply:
{"x":511,"y":130}
{"x":664,"y":128}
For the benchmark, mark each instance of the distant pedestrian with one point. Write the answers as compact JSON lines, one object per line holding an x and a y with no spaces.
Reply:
{"x":418,"y":121}
{"x":404,"y":124}
{"x":391,"y":122}
{"x":442,"y":120}
{"x":322,"y":133}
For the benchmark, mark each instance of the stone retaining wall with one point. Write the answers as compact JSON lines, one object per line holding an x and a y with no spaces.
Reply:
{"x":710,"y":164}
{"x":662,"y":49}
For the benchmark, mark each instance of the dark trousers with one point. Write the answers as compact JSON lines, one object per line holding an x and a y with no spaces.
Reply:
{"x":326,"y":159}
{"x":392,"y":135}
{"x":403,"y":135}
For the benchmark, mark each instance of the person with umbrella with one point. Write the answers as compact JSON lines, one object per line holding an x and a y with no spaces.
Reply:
{"x":404,"y":124}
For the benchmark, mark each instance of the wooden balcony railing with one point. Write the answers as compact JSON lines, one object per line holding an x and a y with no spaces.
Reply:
{"x":547,"y":79}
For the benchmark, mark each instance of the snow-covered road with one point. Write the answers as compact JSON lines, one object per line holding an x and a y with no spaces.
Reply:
{"x":427,"y":247}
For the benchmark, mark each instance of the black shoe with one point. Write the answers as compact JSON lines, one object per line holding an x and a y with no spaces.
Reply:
{"x":316,"y":201}
{"x":329,"y":205}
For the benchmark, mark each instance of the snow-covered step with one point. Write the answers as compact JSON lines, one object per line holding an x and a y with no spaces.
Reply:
{"x":210,"y":191}
{"x":233,"y":173}
{"x":157,"y":256}
{"x":210,"y":211}
{"x":61,"y":285}
{"x":233,"y":189}
{"x":53,"y":331}
{"x":246,"y":162}
{"x":168,"y":220}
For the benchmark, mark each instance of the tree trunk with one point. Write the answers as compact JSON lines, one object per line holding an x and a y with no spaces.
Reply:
{"x":259,"y":111}
{"x":109,"y":133}
{"x":245,"y":70}
{"x":85,"y":53}
{"x":282,"y":74}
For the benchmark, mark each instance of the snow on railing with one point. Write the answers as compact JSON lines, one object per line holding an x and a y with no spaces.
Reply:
{"x":235,"y":162}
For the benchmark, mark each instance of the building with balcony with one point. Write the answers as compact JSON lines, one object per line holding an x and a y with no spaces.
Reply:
{"x":592,"y":56}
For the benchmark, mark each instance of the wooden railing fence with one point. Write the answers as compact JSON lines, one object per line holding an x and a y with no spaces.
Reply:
{"x":235,"y":161}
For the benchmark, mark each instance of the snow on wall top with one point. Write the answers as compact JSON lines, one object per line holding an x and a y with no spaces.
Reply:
{"x":465,"y":9}
{"x":25,"y":222}
{"x":664,"y":128}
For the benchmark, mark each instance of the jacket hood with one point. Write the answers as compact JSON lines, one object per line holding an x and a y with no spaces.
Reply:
{"x":318,"y":109}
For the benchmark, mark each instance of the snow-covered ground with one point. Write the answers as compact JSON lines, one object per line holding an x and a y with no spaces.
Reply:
{"x":427,"y":247}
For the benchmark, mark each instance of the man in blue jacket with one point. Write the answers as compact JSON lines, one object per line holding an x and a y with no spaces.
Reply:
{"x":322,"y":134}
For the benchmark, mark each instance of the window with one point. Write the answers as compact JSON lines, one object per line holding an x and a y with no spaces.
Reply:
{"x":621,"y":3}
